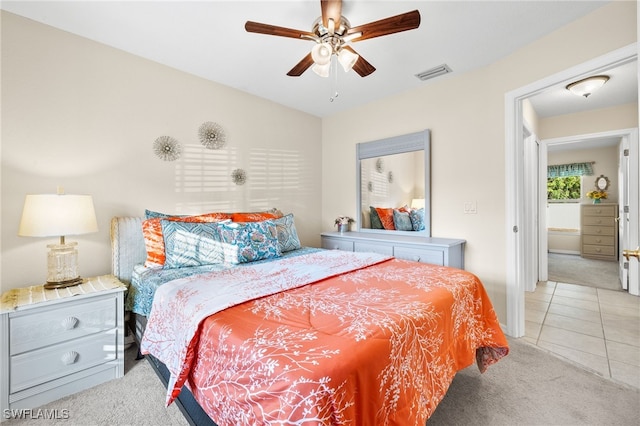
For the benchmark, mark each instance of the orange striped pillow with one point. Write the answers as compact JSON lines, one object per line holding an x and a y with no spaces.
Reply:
{"x":386,"y":217}
{"x":154,"y":241}
{"x":254,"y":217}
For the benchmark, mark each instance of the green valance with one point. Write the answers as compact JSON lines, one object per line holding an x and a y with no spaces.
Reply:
{"x":573,"y":169}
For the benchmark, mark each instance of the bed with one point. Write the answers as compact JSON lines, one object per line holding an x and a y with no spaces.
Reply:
{"x":307,"y":336}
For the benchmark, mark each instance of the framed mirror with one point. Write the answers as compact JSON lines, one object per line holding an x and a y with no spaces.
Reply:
{"x":394,"y":181}
{"x":602,"y":182}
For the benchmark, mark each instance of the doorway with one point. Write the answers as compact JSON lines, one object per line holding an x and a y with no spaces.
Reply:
{"x":517,"y":191}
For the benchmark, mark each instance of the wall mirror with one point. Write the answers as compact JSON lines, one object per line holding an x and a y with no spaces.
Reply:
{"x":602,"y":182}
{"x":393,"y":173}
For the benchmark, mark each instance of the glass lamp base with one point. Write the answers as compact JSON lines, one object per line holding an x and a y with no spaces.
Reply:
{"x":62,"y":262}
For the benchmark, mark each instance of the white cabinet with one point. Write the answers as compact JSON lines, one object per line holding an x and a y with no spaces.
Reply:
{"x":59,"y":342}
{"x":438,"y":251}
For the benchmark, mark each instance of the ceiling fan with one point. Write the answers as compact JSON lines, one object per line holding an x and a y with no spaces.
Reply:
{"x":331,"y":32}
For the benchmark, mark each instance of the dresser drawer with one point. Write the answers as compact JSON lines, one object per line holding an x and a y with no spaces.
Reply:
{"x":373,"y":248}
{"x":598,"y":240}
{"x":435,"y":257}
{"x":46,"y":364}
{"x":600,"y":210}
{"x":598,"y":221}
{"x":598,"y":230}
{"x":335,"y":244}
{"x":48,"y":326}
{"x":598,"y":250}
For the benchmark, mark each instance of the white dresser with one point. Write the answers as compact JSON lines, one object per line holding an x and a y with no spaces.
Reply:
{"x":59,"y":342}
{"x":599,"y":231}
{"x":438,"y":251}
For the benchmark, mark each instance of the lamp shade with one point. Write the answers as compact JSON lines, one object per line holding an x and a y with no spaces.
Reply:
{"x":49,"y":215}
{"x":322,"y":70}
{"x":321,"y":53}
{"x":417,"y":203}
{"x":347,"y":59}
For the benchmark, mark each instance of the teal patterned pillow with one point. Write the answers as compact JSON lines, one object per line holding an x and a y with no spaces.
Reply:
{"x":191,"y":244}
{"x":287,"y":235}
{"x":402,"y":221}
{"x":417,"y":219}
{"x":249,"y":241}
{"x":376,"y":223}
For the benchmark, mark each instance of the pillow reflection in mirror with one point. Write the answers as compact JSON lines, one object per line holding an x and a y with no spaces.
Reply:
{"x":417,"y":219}
{"x":375,"y":219}
{"x":402,"y":221}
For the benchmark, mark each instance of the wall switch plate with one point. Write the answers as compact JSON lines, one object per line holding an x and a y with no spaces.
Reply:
{"x":470,"y":207}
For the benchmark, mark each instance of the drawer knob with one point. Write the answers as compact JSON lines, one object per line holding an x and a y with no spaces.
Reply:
{"x":70,"y":323}
{"x":70,"y":357}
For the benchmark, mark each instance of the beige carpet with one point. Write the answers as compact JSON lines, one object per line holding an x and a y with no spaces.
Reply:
{"x":528,"y":387}
{"x":573,"y":269}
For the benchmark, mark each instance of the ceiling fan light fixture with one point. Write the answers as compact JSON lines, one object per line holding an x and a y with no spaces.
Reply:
{"x":321,"y":53}
{"x":347,"y":59}
{"x":322,"y":70}
{"x":587,"y":86}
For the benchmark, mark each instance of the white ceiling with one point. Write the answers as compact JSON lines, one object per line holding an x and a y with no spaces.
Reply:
{"x":207,"y":39}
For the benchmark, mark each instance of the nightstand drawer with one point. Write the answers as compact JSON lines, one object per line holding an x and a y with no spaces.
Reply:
{"x":46,"y":364}
{"x":51,"y":325}
{"x":598,"y":221}
{"x":595,"y":210}
{"x":435,"y":257}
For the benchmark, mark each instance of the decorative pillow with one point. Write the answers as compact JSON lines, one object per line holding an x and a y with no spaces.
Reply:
{"x":250,"y":241}
{"x":253,"y":217}
{"x":152,"y":232}
{"x":386,"y":217}
{"x":191,"y":244}
{"x":287,"y":235}
{"x":375,"y":219}
{"x":402,"y":221}
{"x":417,"y":219}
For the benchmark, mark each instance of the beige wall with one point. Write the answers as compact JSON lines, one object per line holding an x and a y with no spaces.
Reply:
{"x":84,"y":116}
{"x":601,"y":120}
{"x":466,"y":116}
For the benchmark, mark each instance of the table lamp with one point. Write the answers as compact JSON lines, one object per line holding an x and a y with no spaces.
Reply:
{"x":59,"y":215}
{"x":417,"y":203}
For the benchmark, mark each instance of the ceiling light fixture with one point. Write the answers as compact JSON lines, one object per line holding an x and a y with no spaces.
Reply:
{"x":587,"y":86}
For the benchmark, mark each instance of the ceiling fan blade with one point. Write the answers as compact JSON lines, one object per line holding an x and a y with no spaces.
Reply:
{"x":331,"y":9}
{"x":391,"y":25}
{"x":301,"y":66}
{"x":362,"y":67}
{"x":257,"y":27}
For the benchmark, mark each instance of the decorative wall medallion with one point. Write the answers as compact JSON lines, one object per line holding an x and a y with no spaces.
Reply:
{"x":379,"y":165}
{"x":212,"y":135}
{"x":167,"y":148}
{"x":370,"y":186}
{"x":390,"y":177}
{"x":238,"y":176}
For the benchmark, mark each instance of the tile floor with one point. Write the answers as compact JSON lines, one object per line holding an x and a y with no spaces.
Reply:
{"x":596,"y":328}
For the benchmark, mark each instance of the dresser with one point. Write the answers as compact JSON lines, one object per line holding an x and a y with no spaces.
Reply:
{"x":59,"y":342}
{"x":599,"y":231}
{"x":438,"y":251}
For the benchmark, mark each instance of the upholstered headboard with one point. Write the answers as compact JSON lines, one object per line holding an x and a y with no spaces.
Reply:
{"x":127,"y":246}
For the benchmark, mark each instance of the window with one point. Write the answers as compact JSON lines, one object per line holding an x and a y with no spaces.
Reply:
{"x":564,"y":188}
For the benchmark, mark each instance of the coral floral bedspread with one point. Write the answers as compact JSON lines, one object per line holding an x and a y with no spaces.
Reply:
{"x":328,"y":338}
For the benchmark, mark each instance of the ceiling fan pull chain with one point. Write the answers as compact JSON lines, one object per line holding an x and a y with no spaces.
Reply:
{"x":334,"y":81}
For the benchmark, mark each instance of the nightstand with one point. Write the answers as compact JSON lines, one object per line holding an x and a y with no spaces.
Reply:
{"x":58,"y":342}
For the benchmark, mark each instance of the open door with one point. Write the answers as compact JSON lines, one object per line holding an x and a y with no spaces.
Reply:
{"x":628,"y":215}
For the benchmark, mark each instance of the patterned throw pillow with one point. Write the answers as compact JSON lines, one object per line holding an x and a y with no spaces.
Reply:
{"x":375,"y":219}
{"x":191,"y":244}
{"x":401,"y":220}
{"x":247,"y":242}
{"x":253,"y":217}
{"x":154,"y":242}
{"x":386,"y":217}
{"x":417,"y":219}
{"x":287,"y":235}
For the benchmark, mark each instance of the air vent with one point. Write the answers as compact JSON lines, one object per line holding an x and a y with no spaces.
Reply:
{"x":434,"y":72}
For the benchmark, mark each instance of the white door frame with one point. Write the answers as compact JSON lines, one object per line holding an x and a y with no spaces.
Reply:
{"x":514,"y":179}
